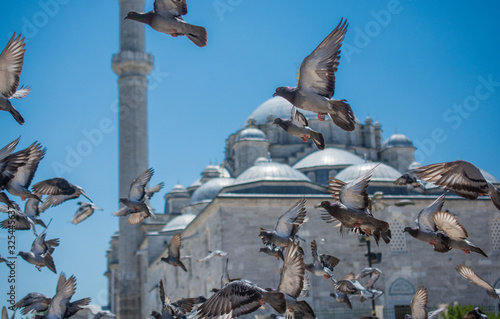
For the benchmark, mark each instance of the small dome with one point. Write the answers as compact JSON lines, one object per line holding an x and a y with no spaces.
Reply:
{"x":178,"y":189}
{"x":210,"y":189}
{"x":261,"y":160}
{"x":328,"y":157}
{"x":383,"y":172}
{"x":397,"y":140}
{"x":414,"y":165}
{"x":251,"y":134}
{"x":490,"y":178}
{"x":270,"y":171}
{"x":179,"y":222}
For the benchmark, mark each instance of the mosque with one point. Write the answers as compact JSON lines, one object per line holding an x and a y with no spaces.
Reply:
{"x":265,"y":171}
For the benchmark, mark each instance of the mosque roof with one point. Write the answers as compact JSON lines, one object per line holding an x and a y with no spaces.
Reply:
{"x":180,"y":222}
{"x":270,"y":171}
{"x":397,"y":140}
{"x":210,"y":189}
{"x":328,"y":157}
{"x":383,"y":172}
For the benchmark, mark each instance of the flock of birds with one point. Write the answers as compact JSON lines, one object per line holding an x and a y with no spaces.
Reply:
{"x":351,"y":209}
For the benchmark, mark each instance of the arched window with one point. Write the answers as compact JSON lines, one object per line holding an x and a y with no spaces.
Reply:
{"x":401,"y":287}
{"x":398,"y":237}
{"x":495,"y":234}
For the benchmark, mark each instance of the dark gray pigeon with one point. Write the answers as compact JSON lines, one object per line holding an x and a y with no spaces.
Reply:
{"x":83,"y":212}
{"x":320,"y":261}
{"x":59,"y":189}
{"x":33,"y":302}
{"x":19,"y":221}
{"x":469,"y":274}
{"x":317,"y":82}
{"x":475,"y":313}
{"x":174,"y":255}
{"x":11,"y":65}
{"x":299,"y":127}
{"x":272,"y":250}
{"x":41,"y":251}
{"x":166,"y":18}
{"x":461,"y":177}
{"x":176,"y":309}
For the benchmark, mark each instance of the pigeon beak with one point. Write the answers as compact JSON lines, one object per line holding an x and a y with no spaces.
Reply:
{"x":274,"y":94}
{"x":317,"y":206}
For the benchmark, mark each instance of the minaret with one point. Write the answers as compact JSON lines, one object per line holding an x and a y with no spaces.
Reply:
{"x":132,"y":64}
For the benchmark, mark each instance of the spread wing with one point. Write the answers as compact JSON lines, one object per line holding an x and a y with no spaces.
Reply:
{"x":462,"y":177}
{"x":174,"y":246}
{"x":292,"y":272}
{"x":11,"y":65}
{"x":425,"y":220}
{"x":419,"y":304}
{"x":138,"y":186}
{"x":54,"y":186}
{"x":449,"y":224}
{"x":59,"y":305}
{"x":171,"y":7}
{"x":469,"y":274}
{"x":353,"y":194}
{"x":298,"y":118}
{"x":9,"y":148}
{"x":295,"y":215}
{"x":317,"y":71}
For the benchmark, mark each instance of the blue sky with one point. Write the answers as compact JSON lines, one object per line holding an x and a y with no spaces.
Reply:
{"x":428,"y":69}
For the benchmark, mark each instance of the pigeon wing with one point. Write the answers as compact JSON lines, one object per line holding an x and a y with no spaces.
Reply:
{"x":292,"y":272}
{"x":54,"y":186}
{"x":295,"y":215}
{"x":138,"y":186}
{"x":469,"y":274}
{"x":174,"y":246}
{"x":11,"y":65}
{"x":317,"y":71}
{"x":449,"y":224}
{"x":354,"y":195}
{"x":9,"y":148}
{"x":419,"y":304}
{"x":60,"y":302}
{"x":26,"y":172}
{"x":425,"y":220}
{"x":170,"y":7}
{"x":298,"y":118}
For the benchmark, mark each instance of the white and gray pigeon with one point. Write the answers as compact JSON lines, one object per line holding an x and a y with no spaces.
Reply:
{"x":83,"y":212}
{"x":59,"y":189}
{"x":272,"y":250}
{"x":298,"y":126}
{"x":418,"y":306}
{"x":469,"y":274}
{"x":41,"y":251}
{"x":316,"y":85}
{"x":213,"y":253}
{"x":426,"y":229}
{"x":11,"y":65}
{"x":287,"y":226}
{"x":374,"y":274}
{"x":166,"y":18}
{"x":320,"y":261}
{"x":19,"y":221}
{"x":475,"y":313}
{"x":461,"y":177}
{"x":456,"y":235}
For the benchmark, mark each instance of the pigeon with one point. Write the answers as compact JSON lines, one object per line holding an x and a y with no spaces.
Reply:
{"x":461,"y":177}
{"x":176,"y":309}
{"x":352,"y":208}
{"x":174,"y":255}
{"x":19,"y":220}
{"x":341,"y":297}
{"x":59,"y":189}
{"x":18,"y":169}
{"x":104,"y":314}
{"x":9,"y":148}
{"x":287,"y":226}
{"x":409,"y":179}
{"x":320,"y":261}
{"x":11,"y":65}
{"x":272,"y":250}
{"x":211,"y":254}
{"x":426,"y":230}
{"x":374,"y":274}
{"x":349,"y":285}
{"x":33,"y":302}
{"x":418,"y":306}
{"x":317,"y":82}
{"x":60,"y":306}
{"x":84,"y":211}
{"x":5,"y":315}
{"x":469,"y":274}
{"x":475,"y":313}
{"x":299,"y":127}
{"x":456,"y":235}
{"x":136,"y":199}
{"x":166,"y":18}
{"x":41,"y":251}
{"x":292,"y":282}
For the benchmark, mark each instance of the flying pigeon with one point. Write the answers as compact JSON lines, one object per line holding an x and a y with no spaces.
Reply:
{"x":461,"y":177}
{"x":5,"y":315}
{"x":174,"y":255}
{"x":456,"y":235}
{"x":418,"y":306}
{"x":272,"y":250}
{"x":317,"y":82}
{"x":409,"y":179}
{"x":214,"y":253}
{"x":426,"y":230}
{"x":351,"y":208}
{"x":19,"y":221}
{"x":104,"y":314}
{"x":59,"y":189}
{"x":299,"y":127}
{"x":320,"y":261}
{"x":9,"y":148}
{"x":33,"y":302}
{"x":341,"y":297}
{"x":84,"y":211}
{"x":224,"y":278}
{"x":176,"y":309}
{"x":41,"y":251}
{"x":469,"y":274}
{"x":374,"y":274}
{"x":292,"y":282}
{"x":475,"y":313}
{"x":166,"y":18}
{"x":287,"y":226}
{"x":11,"y":65}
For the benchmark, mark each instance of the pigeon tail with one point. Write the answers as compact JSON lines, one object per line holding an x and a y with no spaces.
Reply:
{"x":276,"y":300}
{"x":386,"y":236}
{"x":478,"y":250}
{"x":17,"y":116}
{"x":182,"y":266}
{"x":342,"y":114}
{"x":198,"y":35}
{"x":49,"y":262}
{"x":318,"y":140}
{"x":307,"y":311}
{"x":495,"y":195}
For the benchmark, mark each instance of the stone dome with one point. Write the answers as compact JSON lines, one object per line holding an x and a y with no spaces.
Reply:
{"x":328,"y":157}
{"x":211,"y":171}
{"x":270,"y":171}
{"x":179,"y":223}
{"x":397,"y":140}
{"x":414,"y":165}
{"x":178,"y":189}
{"x":210,"y":189}
{"x":383,"y":173}
{"x":251,"y":134}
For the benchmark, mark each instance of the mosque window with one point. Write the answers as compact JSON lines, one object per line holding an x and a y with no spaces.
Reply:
{"x":495,"y":234}
{"x":398,"y":238}
{"x":401,"y":287}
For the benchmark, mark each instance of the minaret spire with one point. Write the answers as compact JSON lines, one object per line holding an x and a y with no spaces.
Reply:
{"x":132,"y":64}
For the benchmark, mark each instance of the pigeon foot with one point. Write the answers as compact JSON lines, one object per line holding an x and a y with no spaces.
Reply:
{"x":321,"y":116}
{"x":466,"y":251}
{"x":304,"y":139}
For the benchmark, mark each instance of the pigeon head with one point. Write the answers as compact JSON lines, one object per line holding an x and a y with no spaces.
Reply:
{"x":286,"y":92}
{"x":410,"y":230}
{"x":282,"y":123}
{"x":325,"y":204}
